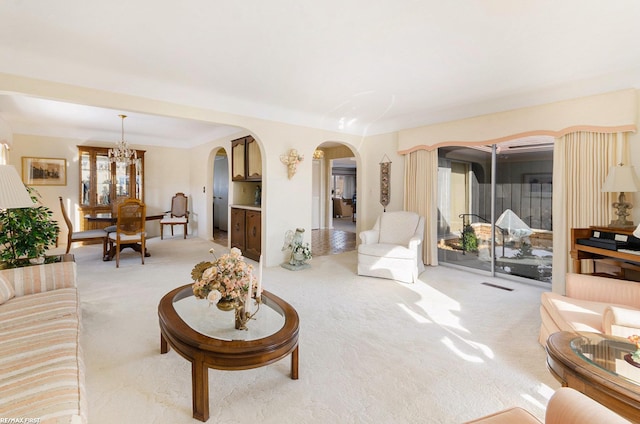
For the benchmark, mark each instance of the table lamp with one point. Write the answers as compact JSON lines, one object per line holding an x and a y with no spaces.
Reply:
{"x":623,"y":179}
{"x":13,"y":193}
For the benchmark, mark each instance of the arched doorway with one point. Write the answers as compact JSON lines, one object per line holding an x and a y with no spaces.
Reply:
{"x":334,"y":199}
{"x":220,"y":197}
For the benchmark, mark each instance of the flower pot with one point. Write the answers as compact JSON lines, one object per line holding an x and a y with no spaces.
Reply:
{"x":226,"y":305}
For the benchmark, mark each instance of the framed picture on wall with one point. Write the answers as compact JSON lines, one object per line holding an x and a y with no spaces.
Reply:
{"x":44,"y":171}
{"x":538,"y":185}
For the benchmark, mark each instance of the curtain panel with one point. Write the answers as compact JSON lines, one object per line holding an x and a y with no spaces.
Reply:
{"x":581,"y":161}
{"x":421,"y":186}
{"x":4,"y":153}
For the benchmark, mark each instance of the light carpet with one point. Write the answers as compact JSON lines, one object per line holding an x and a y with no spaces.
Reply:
{"x":444,"y":350}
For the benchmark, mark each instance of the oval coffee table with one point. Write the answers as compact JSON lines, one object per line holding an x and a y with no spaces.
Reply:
{"x":595,"y":365}
{"x":207,"y":338}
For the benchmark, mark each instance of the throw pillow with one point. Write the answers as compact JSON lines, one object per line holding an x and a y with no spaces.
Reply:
{"x":6,"y":290}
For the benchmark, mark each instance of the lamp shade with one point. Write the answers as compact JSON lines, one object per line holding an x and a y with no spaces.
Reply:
{"x":13,"y":194}
{"x":621,"y":178}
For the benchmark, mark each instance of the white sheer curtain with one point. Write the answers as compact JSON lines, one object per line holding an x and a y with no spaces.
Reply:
{"x":581,"y":161}
{"x":4,"y":153}
{"x":421,"y":186}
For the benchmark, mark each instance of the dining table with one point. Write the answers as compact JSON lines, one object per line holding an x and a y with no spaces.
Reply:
{"x":110,"y":218}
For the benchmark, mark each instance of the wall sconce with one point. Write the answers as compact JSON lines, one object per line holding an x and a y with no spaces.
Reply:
{"x":621,"y":178}
{"x":318,"y":154}
{"x":291,"y":159}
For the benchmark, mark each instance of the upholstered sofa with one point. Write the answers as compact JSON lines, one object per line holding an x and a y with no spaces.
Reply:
{"x":41,"y":366}
{"x":393,"y":247}
{"x":592,"y":303}
{"x":566,"y":406}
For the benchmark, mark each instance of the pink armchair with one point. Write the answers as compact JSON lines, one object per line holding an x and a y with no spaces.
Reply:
{"x":592,"y":303}
{"x":566,"y":406}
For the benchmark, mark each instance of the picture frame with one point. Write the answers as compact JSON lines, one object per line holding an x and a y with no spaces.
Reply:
{"x":44,"y":171}
{"x":538,"y":185}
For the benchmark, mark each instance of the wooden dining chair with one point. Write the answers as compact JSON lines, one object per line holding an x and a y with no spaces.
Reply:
{"x":178,"y":215}
{"x":129,"y":228}
{"x":87,"y":235}
{"x":114,"y":212}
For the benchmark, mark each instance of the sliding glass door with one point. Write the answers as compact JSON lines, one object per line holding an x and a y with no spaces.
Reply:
{"x":495,"y":208}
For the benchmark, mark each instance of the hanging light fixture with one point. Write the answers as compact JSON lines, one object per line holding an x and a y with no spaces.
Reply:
{"x":122,"y":153}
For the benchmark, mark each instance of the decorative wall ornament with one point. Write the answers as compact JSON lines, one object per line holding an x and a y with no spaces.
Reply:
{"x":318,"y":154}
{"x":292,"y":159}
{"x":385,"y":175}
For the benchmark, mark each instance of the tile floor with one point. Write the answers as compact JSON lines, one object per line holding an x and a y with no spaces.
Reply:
{"x":342,"y":238}
{"x":324,"y":242}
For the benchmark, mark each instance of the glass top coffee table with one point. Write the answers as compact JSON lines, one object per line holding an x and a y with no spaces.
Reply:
{"x":595,"y":365}
{"x":207,"y":338}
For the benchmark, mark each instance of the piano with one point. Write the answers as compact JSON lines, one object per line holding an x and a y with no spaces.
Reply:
{"x":614,"y":247}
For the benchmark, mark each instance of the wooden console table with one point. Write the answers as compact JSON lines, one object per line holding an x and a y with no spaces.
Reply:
{"x":578,"y":252}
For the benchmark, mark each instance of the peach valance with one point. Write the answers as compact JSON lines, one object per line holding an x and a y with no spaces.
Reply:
{"x":607,"y":113}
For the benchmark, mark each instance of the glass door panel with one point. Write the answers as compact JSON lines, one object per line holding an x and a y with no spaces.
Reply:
{"x":85,"y":179}
{"x":103,"y":179}
{"x":522,"y":234}
{"x":464,"y":212}
{"x":122,"y":180}
{"x":524,"y":246}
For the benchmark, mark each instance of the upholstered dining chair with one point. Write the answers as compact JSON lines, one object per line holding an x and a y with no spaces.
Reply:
{"x":129,"y":228}
{"x":114,"y":212}
{"x":87,"y":235}
{"x":393,"y":247}
{"x":178,"y":215}
{"x":341,"y":209}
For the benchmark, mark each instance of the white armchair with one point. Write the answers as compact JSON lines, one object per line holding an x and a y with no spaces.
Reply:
{"x":393,"y":247}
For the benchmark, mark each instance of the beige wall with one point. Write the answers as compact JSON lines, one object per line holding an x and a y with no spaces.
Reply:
{"x":165,"y":174}
{"x":287,"y":202}
{"x":616,"y":111}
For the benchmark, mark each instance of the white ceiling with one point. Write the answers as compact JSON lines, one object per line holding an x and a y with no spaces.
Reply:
{"x":358,"y":66}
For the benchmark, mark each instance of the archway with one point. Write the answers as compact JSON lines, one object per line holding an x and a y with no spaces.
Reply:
{"x":220,"y":197}
{"x":334,"y":199}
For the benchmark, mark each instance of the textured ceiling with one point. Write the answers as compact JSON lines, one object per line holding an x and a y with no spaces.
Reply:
{"x":357,"y":66}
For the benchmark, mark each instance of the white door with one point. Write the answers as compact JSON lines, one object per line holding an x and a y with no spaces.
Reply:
{"x":316,"y":192}
{"x":221,"y":193}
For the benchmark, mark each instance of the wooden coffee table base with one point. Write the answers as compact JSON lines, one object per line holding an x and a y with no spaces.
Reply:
{"x":205,"y":352}
{"x":200,"y":380}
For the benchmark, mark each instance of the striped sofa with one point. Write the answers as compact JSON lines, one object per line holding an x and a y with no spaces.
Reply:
{"x":41,"y":367}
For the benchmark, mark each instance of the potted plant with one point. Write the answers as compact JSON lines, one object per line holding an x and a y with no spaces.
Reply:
{"x":26,"y":233}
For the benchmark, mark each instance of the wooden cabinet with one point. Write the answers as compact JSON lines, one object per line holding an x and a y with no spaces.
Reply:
{"x":103,"y":182}
{"x":246,"y":161}
{"x":253,"y":239}
{"x":246,"y":228}
{"x":238,"y":228}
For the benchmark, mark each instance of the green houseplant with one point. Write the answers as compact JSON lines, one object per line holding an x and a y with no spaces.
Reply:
{"x":26,"y":233}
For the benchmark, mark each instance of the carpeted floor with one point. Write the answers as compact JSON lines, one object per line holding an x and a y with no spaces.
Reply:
{"x":444,"y":350}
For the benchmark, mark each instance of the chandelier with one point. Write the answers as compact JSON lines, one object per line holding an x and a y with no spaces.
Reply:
{"x":122,"y":153}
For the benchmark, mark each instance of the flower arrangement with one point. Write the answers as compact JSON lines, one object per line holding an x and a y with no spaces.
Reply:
{"x":302,"y":250}
{"x":635,"y":339}
{"x":227,"y":278}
